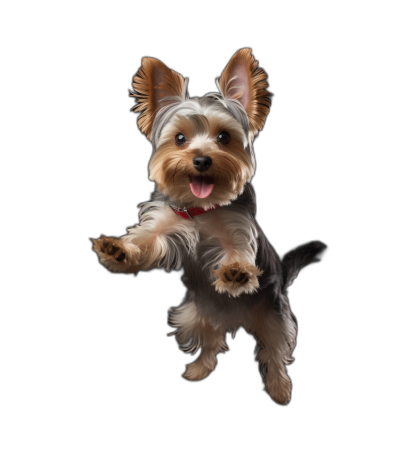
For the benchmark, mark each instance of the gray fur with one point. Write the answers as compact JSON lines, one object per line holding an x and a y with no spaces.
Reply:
{"x":220,"y":307}
{"x":206,"y":314}
{"x":296,"y":259}
{"x":197,"y":106}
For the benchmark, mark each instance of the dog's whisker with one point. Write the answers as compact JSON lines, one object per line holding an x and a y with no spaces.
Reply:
{"x":176,"y":169}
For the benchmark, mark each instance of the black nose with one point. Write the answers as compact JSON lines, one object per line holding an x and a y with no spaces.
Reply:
{"x":202,"y":163}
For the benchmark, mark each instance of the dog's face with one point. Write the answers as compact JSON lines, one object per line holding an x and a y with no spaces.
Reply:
{"x":202,"y":147}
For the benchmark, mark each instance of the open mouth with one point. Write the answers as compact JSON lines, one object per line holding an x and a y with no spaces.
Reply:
{"x":201,"y":186}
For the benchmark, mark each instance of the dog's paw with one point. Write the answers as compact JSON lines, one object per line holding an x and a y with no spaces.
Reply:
{"x":235,"y":279}
{"x":197,"y":370}
{"x":279,"y":388}
{"x":117,"y":256}
{"x":110,"y":247}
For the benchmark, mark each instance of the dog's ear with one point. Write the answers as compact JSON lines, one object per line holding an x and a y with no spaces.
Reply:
{"x":155,"y":86}
{"x":244,"y":81}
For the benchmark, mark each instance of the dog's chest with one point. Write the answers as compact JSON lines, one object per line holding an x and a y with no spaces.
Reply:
{"x":210,"y":225}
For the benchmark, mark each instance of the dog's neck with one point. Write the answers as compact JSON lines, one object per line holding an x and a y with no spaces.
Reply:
{"x":192,"y":211}
{"x":245,"y":201}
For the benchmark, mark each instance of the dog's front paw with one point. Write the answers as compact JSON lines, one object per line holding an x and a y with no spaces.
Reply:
{"x":116,"y":255}
{"x":235,"y":279}
{"x":110,"y":247}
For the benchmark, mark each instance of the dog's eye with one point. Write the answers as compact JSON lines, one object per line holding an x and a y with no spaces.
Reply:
{"x":180,"y":139}
{"x":224,"y":138}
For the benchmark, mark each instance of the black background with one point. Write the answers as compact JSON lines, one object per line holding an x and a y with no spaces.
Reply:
{"x":121,"y":367}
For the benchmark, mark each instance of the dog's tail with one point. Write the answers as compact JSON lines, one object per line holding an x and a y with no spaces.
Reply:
{"x":298,"y":258}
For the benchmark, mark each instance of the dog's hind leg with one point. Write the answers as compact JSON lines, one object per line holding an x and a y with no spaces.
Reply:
{"x":194,"y":331}
{"x":214,"y":343}
{"x":275,"y":333}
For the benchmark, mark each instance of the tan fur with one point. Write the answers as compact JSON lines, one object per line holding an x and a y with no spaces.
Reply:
{"x":243,"y":80}
{"x":228,"y":232}
{"x":151,"y":85}
{"x":171,"y":166}
{"x":146,"y":245}
{"x":218,"y":249}
{"x":235,"y":279}
{"x":110,"y":250}
{"x":194,"y":331}
{"x":150,"y":235}
{"x":276,"y":340}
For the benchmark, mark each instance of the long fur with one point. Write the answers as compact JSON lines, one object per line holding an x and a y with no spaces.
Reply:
{"x":233,"y":275}
{"x":298,"y":259}
{"x":243,"y":69}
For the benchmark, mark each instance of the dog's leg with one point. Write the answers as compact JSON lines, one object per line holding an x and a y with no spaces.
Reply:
{"x":194,"y":331}
{"x":275,"y":334}
{"x":117,"y":254}
{"x":214,"y":343}
{"x":235,"y":278}
{"x":157,"y":241}
{"x":229,"y":249}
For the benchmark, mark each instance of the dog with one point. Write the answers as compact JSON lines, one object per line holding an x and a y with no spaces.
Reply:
{"x":201,"y":217}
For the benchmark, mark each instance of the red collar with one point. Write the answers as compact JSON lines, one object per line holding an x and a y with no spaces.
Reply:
{"x":192,"y":212}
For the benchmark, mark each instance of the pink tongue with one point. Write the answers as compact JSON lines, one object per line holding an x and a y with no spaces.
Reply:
{"x":201,"y":187}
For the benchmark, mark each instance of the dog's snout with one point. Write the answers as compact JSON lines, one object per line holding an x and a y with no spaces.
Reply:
{"x":202,"y":163}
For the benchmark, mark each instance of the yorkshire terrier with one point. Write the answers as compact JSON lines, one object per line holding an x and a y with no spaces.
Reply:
{"x":201,"y":217}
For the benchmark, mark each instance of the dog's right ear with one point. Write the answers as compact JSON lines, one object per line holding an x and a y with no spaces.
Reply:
{"x":155,"y":86}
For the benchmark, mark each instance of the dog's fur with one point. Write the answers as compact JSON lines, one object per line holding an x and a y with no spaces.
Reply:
{"x":233,"y":275}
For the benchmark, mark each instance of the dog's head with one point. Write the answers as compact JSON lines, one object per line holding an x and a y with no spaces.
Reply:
{"x":202,"y":147}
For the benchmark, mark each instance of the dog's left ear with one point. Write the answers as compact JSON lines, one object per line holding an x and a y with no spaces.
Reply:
{"x":244,"y":81}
